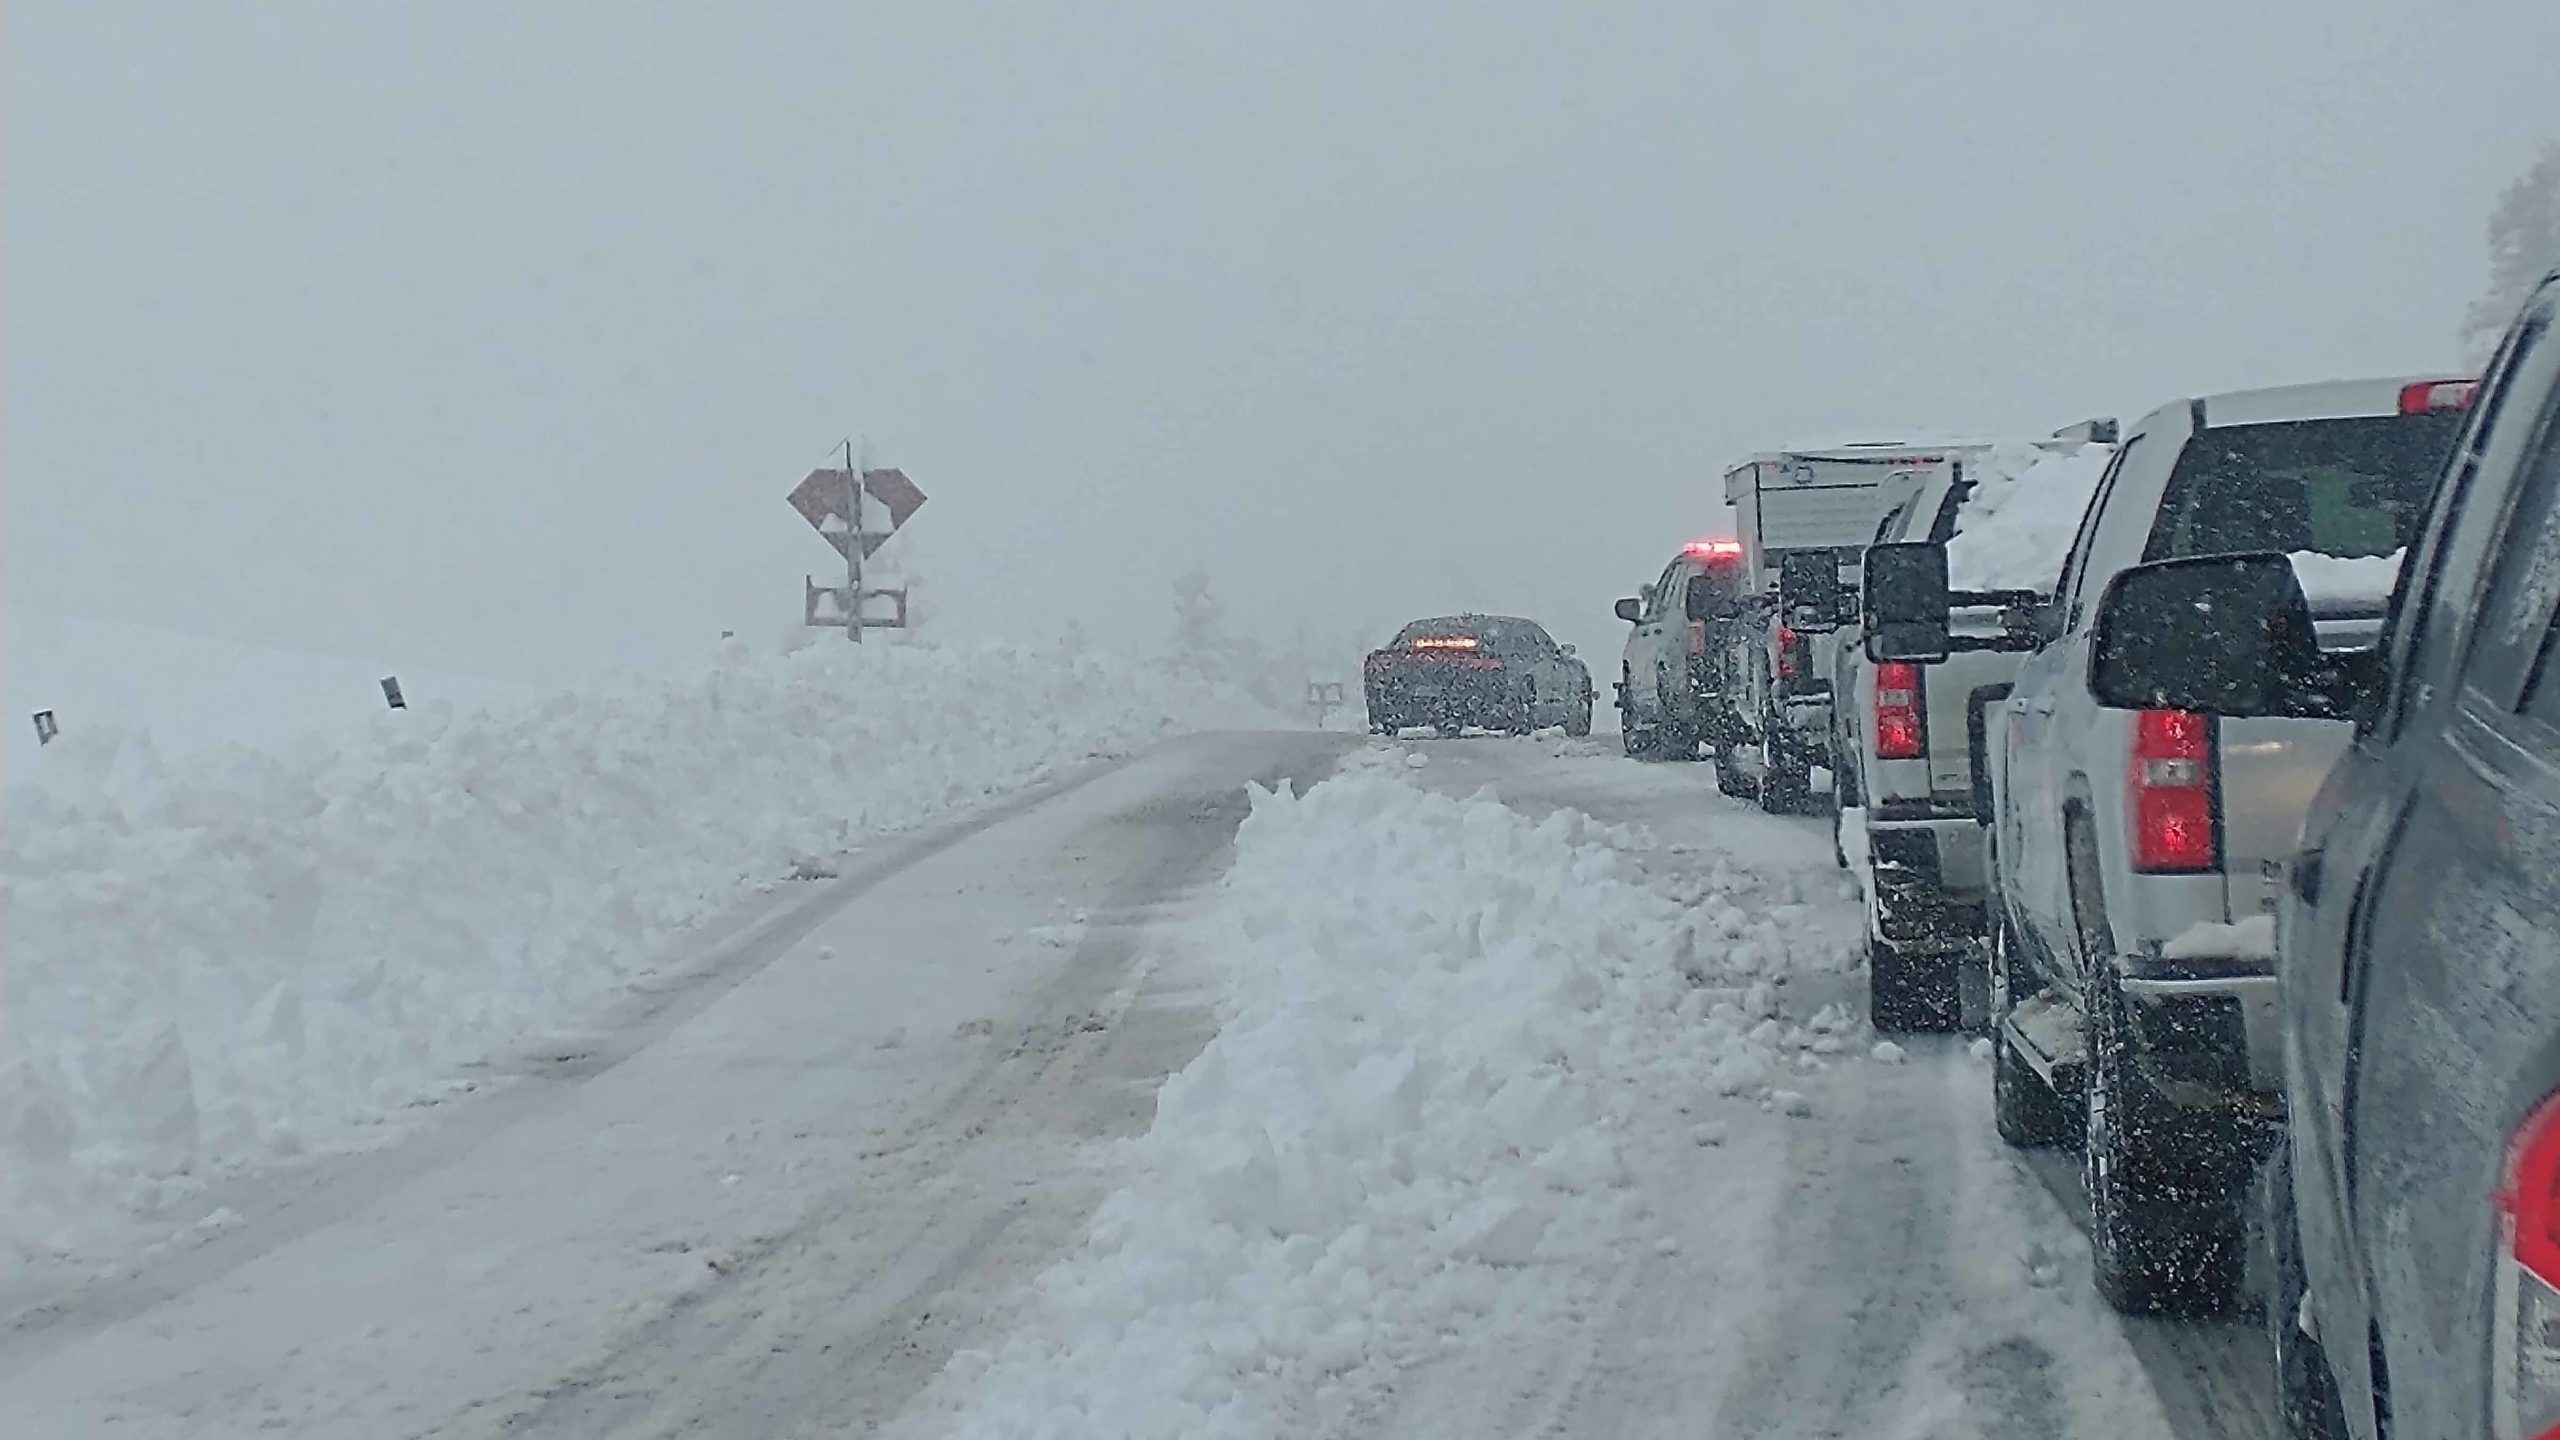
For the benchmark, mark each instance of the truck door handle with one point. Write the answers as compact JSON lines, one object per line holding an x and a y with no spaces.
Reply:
{"x":2036,"y":707}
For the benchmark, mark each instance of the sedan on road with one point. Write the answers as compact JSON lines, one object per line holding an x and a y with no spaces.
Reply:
{"x":1495,"y":672}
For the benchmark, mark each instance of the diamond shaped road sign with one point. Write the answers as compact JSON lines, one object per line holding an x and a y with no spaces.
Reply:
{"x":821,"y":498}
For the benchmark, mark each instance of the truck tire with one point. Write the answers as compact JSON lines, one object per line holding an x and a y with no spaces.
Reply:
{"x":2306,"y":1392}
{"x":1729,"y":777}
{"x":2029,"y":1113}
{"x":1784,"y":787}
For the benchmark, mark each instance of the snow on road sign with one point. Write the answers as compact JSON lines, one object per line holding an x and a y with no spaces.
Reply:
{"x":821,"y":500}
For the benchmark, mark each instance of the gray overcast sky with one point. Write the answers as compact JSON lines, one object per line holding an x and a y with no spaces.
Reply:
{"x":491,"y":336}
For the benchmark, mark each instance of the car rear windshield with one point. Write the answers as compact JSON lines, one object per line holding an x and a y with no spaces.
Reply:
{"x":2339,"y":487}
{"x":1510,"y":637}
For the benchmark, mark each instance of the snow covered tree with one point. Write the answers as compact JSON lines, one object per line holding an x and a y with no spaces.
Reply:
{"x":2524,"y":245}
{"x":1196,"y":616}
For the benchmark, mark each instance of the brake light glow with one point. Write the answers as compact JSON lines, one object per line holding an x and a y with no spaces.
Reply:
{"x":1787,"y":666}
{"x":1714,"y":549}
{"x":2524,"y":1394}
{"x":1900,"y":732}
{"x":1444,"y":642}
{"x":2172,"y":785}
{"x":2428,"y":397}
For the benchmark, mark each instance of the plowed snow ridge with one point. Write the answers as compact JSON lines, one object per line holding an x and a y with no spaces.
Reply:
{"x":217,"y":961}
{"x":1440,"y":1013}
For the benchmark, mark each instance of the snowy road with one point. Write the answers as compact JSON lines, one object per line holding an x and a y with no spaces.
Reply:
{"x":806,"y":1187}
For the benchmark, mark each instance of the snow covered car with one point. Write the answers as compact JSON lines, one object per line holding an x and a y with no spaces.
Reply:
{"x":2133,"y":989}
{"x":1495,"y":672}
{"x":1670,"y":687}
{"x":1908,"y":736}
{"x":2413,"y":1215}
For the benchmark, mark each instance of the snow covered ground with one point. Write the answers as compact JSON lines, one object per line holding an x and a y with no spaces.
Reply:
{"x":1487,"y":1087}
{"x":1510,"y":1133}
{"x":233,"y":955}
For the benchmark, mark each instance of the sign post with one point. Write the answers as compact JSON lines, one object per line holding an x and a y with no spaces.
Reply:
{"x":832,"y":502}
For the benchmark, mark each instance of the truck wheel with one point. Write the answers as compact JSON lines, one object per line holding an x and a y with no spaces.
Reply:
{"x":1783,"y":786}
{"x":2306,"y":1392}
{"x":2156,"y":1243}
{"x":2028,"y":1112}
{"x":1729,"y":777}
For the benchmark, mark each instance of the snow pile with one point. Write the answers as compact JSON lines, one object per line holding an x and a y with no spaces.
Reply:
{"x":1441,"y":1018}
{"x":220,"y":959}
{"x":2361,"y":582}
{"x":2017,"y":524}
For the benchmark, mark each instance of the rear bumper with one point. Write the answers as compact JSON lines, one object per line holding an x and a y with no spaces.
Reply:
{"x":1456,"y":700}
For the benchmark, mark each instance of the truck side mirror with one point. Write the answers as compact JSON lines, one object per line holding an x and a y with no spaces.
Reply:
{"x":2226,"y":634}
{"x":1905,"y":601}
{"x":1809,"y":590}
{"x":1631,"y":609}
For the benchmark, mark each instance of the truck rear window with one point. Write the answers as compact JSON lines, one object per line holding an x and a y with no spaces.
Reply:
{"x":2339,"y":487}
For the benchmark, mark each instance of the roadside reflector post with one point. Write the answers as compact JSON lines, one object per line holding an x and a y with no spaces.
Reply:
{"x":391,"y":693}
{"x":46,"y":729}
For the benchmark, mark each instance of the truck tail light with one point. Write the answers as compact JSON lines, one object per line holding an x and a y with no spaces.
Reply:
{"x":1899,"y":725}
{"x":2171,"y":785}
{"x":2524,"y":1396}
{"x":1788,"y":667}
{"x":1697,"y":638}
{"x":2429,"y":397}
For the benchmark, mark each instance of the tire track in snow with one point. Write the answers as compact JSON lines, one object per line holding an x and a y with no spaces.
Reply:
{"x":831,"y":1327}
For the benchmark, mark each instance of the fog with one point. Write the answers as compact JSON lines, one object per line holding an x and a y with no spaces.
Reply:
{"x":490,"y":338}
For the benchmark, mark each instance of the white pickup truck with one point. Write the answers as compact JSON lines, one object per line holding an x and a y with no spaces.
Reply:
{"x":1909,"y":794}
{"x":2134,"y":996}
{"x":1803,"y":517}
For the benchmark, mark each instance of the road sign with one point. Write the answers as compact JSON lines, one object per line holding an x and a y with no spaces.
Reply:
{"x":832,"y":502}
{"x":823,"y":500}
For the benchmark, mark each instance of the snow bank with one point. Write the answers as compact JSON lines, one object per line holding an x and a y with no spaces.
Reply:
{"x":1441,"y":1017}
{"x":220,"y":959}
{"x":190,"y":693}
{"x":2333,"y":581}
{"x":2014,"y":529}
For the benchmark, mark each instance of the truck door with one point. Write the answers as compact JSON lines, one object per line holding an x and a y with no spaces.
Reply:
{"x":2034,"y":877}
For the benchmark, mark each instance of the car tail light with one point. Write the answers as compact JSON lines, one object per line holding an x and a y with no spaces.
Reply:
{"x":2430,"y":396}
{"x":2524,"y":1396}
{"x":1697,"y":637}
{"x":1787,"y":666}
{"x":2171,"y":786}
{"x":1899,"y":732}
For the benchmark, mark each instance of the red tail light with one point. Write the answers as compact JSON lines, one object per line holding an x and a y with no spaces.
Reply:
{"x":2525,"y":1350}
{"x":1901,"y":732}
{"x":2172,"y":784}
{"x":1697,"y":637}
{"x":2429,"y":396}
{"x":1787,"y":664}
